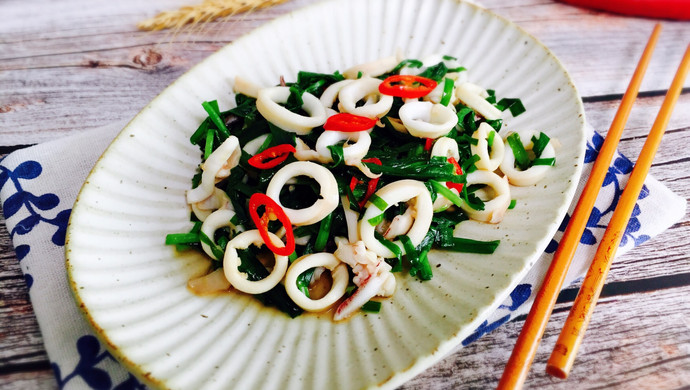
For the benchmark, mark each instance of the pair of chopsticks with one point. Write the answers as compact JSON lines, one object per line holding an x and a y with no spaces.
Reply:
{"x":563,"y":355}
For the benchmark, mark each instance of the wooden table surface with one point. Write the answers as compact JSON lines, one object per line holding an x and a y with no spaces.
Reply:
{"x":72,"y":65}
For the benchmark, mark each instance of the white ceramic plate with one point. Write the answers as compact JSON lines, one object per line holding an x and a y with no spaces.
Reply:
{"x":132,"y":287}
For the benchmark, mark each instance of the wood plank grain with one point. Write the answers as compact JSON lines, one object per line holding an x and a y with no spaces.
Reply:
{"x":626,"y":347}
{"x":42,"y":379}
{"x":93,"y":69}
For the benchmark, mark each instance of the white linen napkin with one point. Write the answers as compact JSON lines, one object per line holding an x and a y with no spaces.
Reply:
{"x":39,"y":184}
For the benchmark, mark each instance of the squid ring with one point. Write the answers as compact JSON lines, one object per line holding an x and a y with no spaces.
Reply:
{"x":532,"y":174}
{"x":427,"y":120}
{"x":322,"y":207}
{"x":252,"y":147}
{"x":339,"y":273}
{"x":267,"y":104}
{"x":444,"y":147}
{"x":487,"y":160}
{"x":393,"y":193}
{"x":224,"y":158}
{"x":216,"y":220}
{"x":373,"y":68}
{"x":360,"y":89}
{"x":352,"y":153}
{"x":468,"y":93}
{"x":231,"y":262}
{"x":219,"y":199}
{"x":331,"y":93}
{"x":494,"y":209}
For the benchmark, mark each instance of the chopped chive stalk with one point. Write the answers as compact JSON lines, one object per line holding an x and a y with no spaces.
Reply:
{"x":469,"y":164}
{"x":492,"y":96}
{"x":304,"y":280}
{"x":457,"y":244}
{"x":376,"y":220}
{"x":208,"y":147}
{"x":419,"y":265}
{"x":200,"y":132}
{"x":544,"y":161}
{"x":324,"y":233}
{"x":515,"y":105}
{"x":539,"y":144}
{"x":217,"y":251}
{"x":521,"y":157}
{"x":378,"y":202}
{"x":447,"y":193}
{"x":513,"y":202}
{"x":181,"y":238}
{"x":372,"y":307}
{"x":448,"y":85}
{"x":265,"y":144}
{"x":490,"y":138}
{"x":214,"y":113}
{"x":393,"y":248}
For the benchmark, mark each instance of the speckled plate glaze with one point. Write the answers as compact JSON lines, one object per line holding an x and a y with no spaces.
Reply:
{"x":132,"y":287}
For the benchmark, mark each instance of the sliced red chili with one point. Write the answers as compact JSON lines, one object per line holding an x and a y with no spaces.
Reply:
{"x":455,"y":186}
{"x":371,"y":185}
{"x":458,"y":171}
{"x":348,"y":122}
{"x":458,"y":168}
{"x":272,"y":211}
{"x":271,"y":157}
{"x":428,"y":144}
{"x":407,"y":86}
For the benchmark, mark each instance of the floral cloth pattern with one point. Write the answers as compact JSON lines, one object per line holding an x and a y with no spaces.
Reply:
{"x":38,"y":186}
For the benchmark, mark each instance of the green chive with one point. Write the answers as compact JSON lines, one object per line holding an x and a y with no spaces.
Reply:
{"x":544,"y":161}
{"x":466,"y":245}
{"x":304,"y":280}
{"x":468,"y":165}
{"x":490,"y":138}
{"x":214,"y":113}
{"x":447,"y":193}
{"x":513,"y":202}
{"x":515,"y":105}
{"x":393,"y":248}
{"x":448,"y":85}
{"x":376,"y":220}
{"x":217,"y":251}
{"x":378,"y":202}
{"x":492,"y":96}
{"x":265,"y":144}
{"x":372,"y":307}
{"x":539,"y":144}
{"x":419,"y":265}
{"x":208,"y":147}
{"x":324,"y":233}
{"x":200,"y":132}
{"x":181,"y":238}
{"x":521,"y":157}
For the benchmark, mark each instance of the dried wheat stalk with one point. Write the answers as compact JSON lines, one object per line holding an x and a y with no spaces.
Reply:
{"x":207,"y":11}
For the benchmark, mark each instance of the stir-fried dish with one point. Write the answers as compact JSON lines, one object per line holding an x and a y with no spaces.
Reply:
{"x":315,"y":195}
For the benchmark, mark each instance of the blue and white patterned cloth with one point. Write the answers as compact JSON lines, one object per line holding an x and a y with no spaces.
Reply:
{"x":38,"y":186}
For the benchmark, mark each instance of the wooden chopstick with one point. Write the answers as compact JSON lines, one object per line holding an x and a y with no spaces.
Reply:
{"x":518,"y":365}
{"x":563,"y":355}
